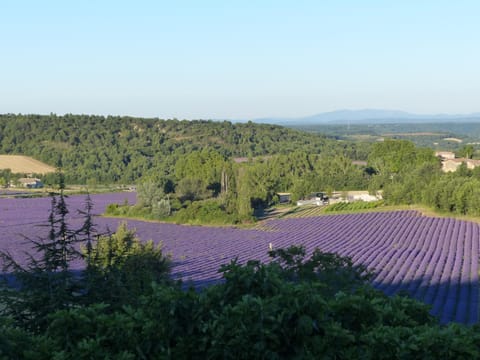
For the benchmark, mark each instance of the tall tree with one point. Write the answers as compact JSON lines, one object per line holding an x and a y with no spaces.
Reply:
{"x":46,"y":283}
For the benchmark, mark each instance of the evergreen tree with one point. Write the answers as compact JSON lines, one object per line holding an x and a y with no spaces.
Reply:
{"x":46,"y":283}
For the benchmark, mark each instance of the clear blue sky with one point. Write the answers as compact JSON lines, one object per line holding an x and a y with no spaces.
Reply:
{"x":238,"y":59}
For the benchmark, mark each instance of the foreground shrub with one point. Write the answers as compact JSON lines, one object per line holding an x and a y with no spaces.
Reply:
{"x":210,"y":211}
{"x":291,"y":308}
{"x":121,"y":268}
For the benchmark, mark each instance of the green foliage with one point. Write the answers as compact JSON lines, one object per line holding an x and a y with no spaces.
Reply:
{"x":46,"y":283}
{"x":302,"y":187}
{"x":205,"y":212}
{"x":128,"y":211}
{"x":193,"y":158}
{"x":337,"y":172}
{"x":393,"y":157}
{"x":213,"y":211}
{"x":409,"y":186}
{"x":151,"y":199}
{"x":293,"y":307}
{"x":17,"y":343}
{"x":466,"y":151}
{"x":152,"y":204}
{"x":161,"y":209}
{"x":320,"y":266}
{"x":124,"y":149}
{"x":149,"y":193}
{"x":191,"y":189}
{"x":390,"y":156}
{"x":454,"y":193}
{"x":410,"y":175}
{"x":243,"y":196}
{"x":121,"y":268}
{"x":206,"y":166}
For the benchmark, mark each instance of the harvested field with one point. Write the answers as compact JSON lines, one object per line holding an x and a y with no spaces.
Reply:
{"x":24,"y":164}
{"x":414,"y":134}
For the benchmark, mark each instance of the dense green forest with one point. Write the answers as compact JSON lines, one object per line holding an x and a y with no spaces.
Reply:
{"x":200,"y":171}
{"x":404,"y":173}
{"x":219,"y":172}
{"x":124,"y":306}
{"x":124,"y":149}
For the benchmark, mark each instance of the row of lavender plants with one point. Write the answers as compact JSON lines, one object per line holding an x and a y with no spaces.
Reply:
{"x":433,"y":259}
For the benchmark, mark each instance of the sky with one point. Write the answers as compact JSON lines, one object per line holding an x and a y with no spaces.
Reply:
{"x":238,"y":59}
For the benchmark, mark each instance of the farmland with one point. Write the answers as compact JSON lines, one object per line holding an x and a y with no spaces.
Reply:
{"x":433,"y":259}
{"x":24,"y":165}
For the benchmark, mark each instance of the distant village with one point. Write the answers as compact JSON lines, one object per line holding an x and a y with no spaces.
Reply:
{"x":450,"y":163}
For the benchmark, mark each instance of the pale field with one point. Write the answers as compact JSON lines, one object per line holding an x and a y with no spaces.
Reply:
{"x":24,"y":164}
{"x":414,"y":134}
{"x":453,"y":139}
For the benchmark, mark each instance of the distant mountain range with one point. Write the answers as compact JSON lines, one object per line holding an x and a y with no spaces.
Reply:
{"x":370,"y":116}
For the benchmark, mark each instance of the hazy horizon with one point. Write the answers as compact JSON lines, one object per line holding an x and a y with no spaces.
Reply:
{"x":239,"y":60}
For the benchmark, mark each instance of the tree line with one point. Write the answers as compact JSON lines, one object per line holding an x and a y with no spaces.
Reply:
{"x":98,"y":149}
{"x":224,"y":172}
{"x":410,"y":175}
{"x":206,"y":187}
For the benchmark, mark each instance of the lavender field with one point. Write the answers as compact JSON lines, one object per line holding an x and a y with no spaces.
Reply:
{"x":433,"y":259}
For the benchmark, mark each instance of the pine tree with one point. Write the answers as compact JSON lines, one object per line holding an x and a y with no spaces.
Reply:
{"x":46,"y":283}
{"x":87,"y":231}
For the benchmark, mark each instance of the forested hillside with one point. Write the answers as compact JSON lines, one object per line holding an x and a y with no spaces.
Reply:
{"x":188,"y":167}
{"x":124,"y":149}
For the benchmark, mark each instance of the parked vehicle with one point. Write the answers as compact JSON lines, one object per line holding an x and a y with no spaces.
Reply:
{"x":320,"y":198}
{"x":317,"y":198}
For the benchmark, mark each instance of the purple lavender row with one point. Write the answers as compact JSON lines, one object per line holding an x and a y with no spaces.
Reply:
{"x":406,"y":275}
{"x":447,"y":293}
{"x":434,"y":259}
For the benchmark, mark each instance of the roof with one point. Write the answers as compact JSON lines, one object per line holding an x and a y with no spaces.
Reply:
{"x":444,"y":155}
{"x":28,"y":180}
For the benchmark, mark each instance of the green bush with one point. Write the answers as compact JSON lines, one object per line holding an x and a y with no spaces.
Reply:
{"x":210,"y":211}
{"x":120,"y":268}
{"x":291,"y":308}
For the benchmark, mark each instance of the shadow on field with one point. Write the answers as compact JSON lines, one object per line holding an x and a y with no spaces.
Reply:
{"x":450,"y":301}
